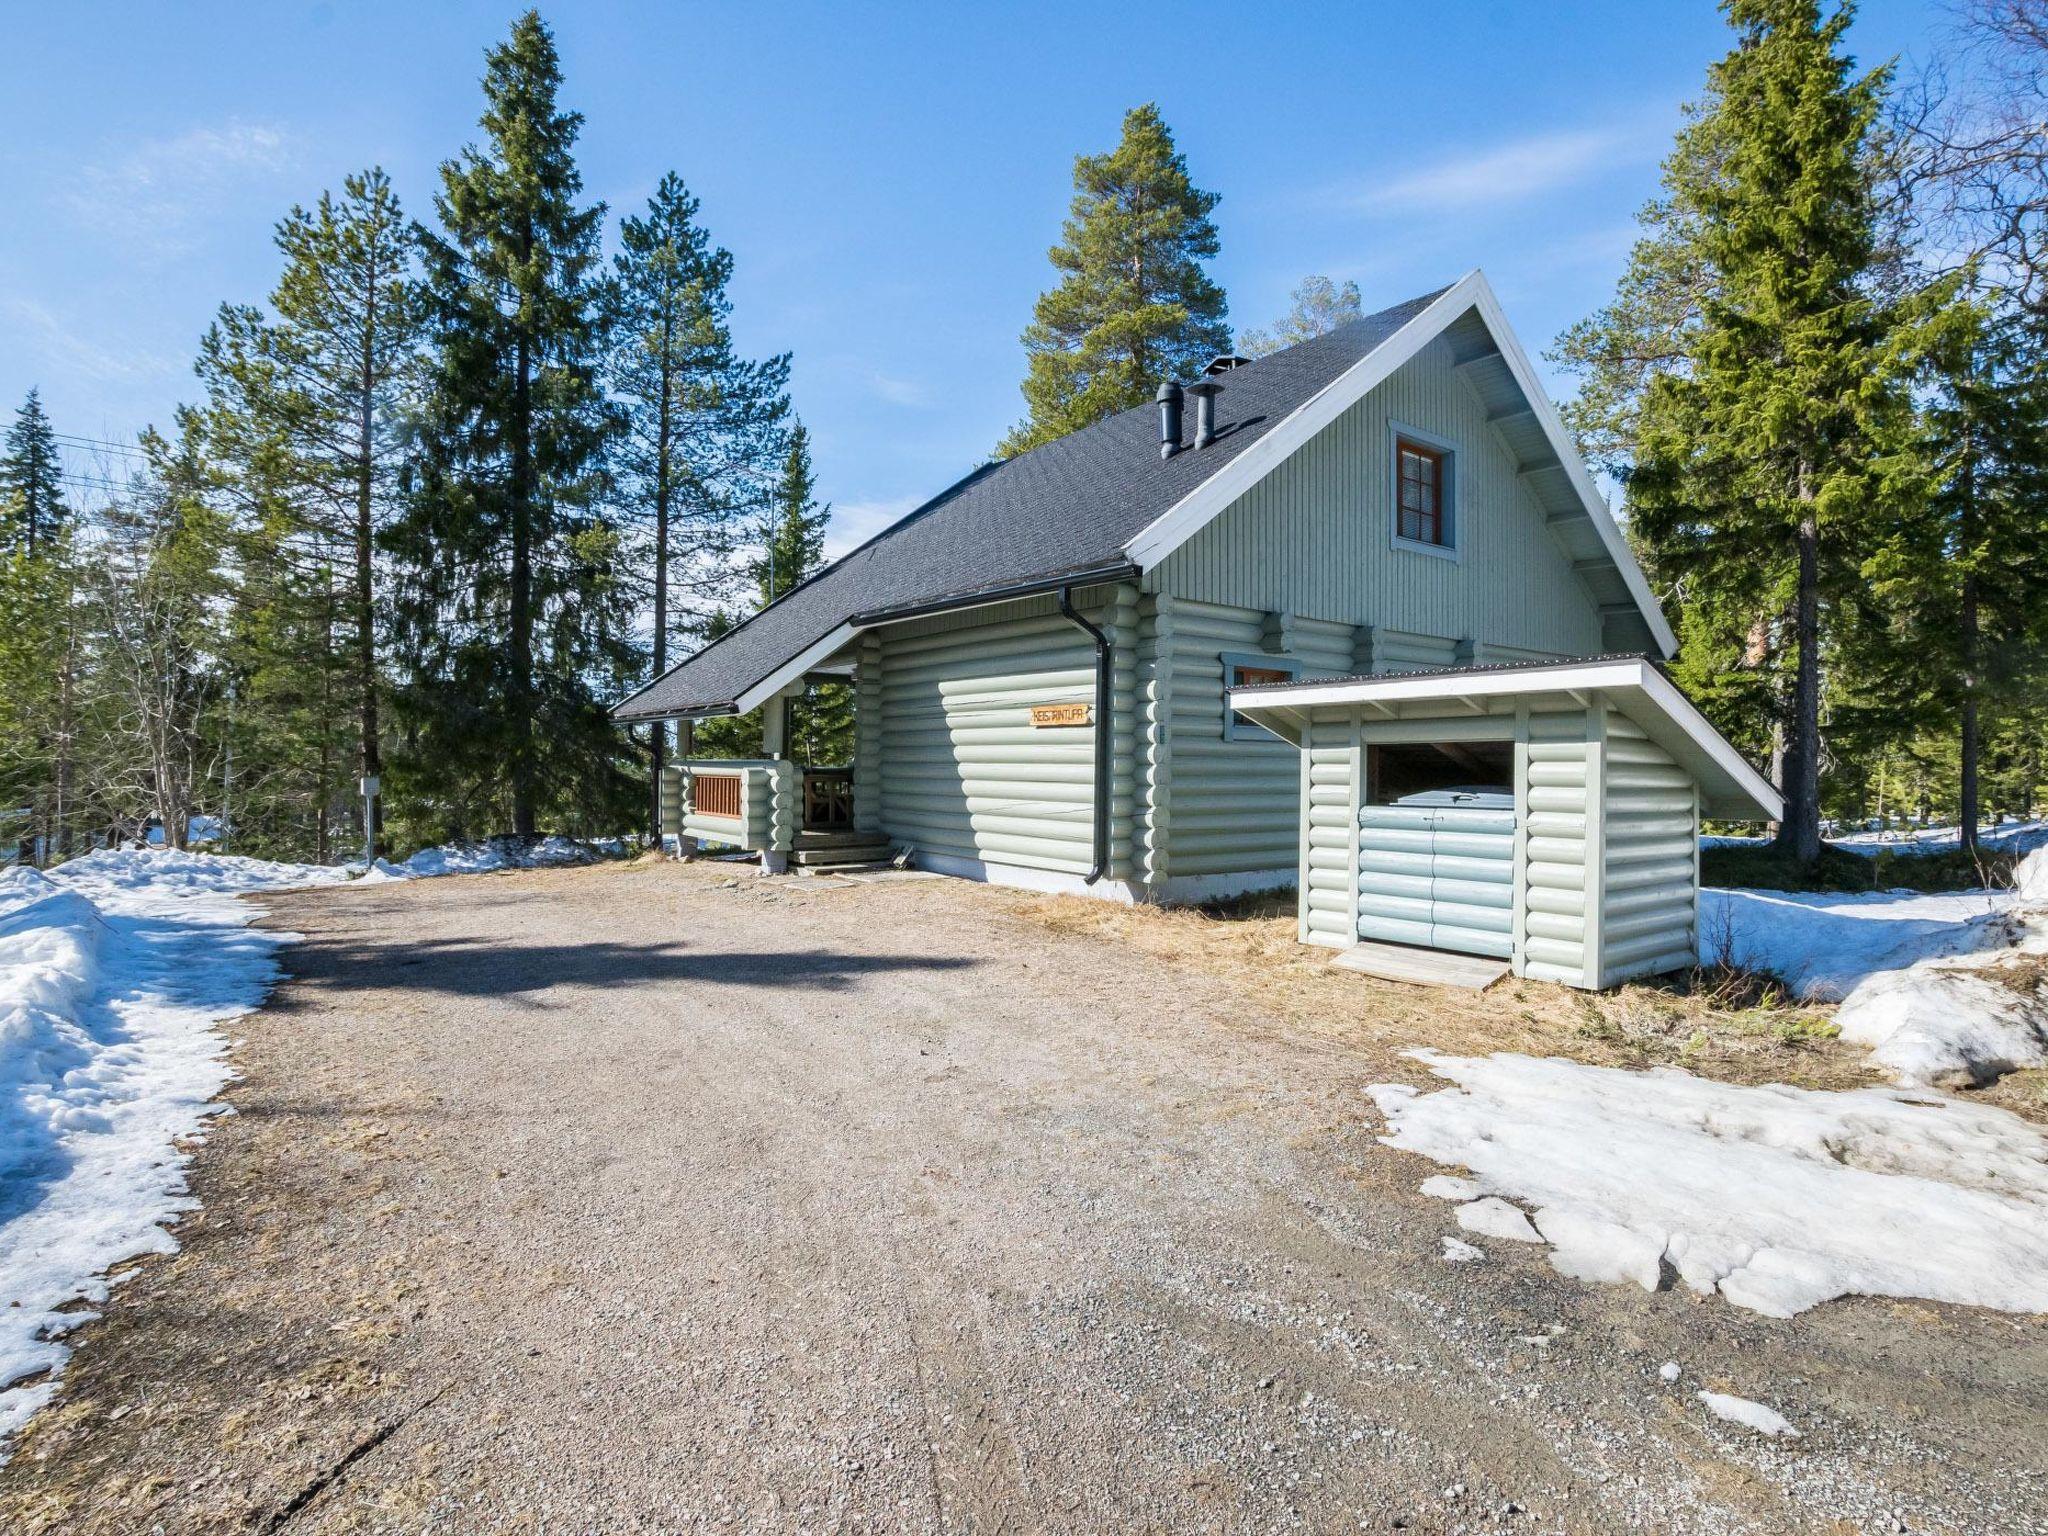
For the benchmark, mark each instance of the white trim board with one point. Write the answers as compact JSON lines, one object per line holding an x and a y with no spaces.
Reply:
{"x":1206,"y":501}
{"x":1737,"y":789}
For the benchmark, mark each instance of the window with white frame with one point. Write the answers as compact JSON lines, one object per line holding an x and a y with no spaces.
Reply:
{"x":1424,"y":493}
{"x":1245,"y":671}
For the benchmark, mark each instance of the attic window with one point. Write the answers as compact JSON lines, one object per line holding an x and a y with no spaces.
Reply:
{"x":1425,"y":517}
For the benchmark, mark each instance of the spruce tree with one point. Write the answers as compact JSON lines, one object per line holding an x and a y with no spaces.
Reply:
{"x":305,"y":412}
{"x":1958,"y":617}
{"x":1318,"y":307}
{"x":31,"y":486}
{"x":702,"y":423}
{"x":1761,"y":465}
{"x":1134,"y":306}
{"x":792,"y":548}
{"x":793,"y":545}
{"x":513,"y":614}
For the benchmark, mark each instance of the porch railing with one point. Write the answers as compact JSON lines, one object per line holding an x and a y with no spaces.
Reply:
{"x":749,"y":803}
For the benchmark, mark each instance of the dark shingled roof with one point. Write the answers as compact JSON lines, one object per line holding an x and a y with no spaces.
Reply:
{"x":1067,"y":508}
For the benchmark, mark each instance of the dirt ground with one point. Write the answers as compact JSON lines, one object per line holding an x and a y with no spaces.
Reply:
{"x":668,"y":1198}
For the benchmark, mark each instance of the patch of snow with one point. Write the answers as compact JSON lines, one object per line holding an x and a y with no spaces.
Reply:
{"x":2007,"y":837}
{"x":1960,"y":1020}
{"x":496,"y":854}
{"x":1778,"y":1198}
{"x":114,"y":970}
{"x":1449,"y":1186}
{"x":1824,"y":943}
{"x":1456,"y":1251}
{"x":1750,"y":1415}
{"x":1669,"y":1372}
{"x":1494,"y":1217}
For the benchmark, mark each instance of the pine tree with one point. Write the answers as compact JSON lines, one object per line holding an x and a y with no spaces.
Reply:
{"x":305,"y":409}
{"x":1134,"y":306}
{"x":513,"y":616}
{"x":1319,"y":306}
{"x":31,"y":488}
{"x":702,"y":423}
{"x":1760,"y":465}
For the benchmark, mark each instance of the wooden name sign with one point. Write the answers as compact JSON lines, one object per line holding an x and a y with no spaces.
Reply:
{"x":1059,"y":714}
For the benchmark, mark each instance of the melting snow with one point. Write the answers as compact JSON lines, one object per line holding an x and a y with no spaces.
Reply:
{"x":115,"y":969}
{"x":1778,"y":1198}
{"x":1740,"y":1410}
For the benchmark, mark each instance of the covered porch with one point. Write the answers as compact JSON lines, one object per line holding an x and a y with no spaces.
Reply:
{"x":787,"y":810}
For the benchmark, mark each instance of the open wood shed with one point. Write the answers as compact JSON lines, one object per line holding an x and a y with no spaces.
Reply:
{"x":1541,"y":817}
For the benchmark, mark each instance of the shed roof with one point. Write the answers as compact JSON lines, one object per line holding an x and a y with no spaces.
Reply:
{"x":1633,"y":684}
{"x":1100,"y":503}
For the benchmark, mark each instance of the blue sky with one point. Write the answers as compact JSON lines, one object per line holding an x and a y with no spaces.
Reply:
{"x":888,"y":178}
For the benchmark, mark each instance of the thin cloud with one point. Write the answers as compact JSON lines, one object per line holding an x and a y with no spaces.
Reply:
{"x":855,"y":522}
{"x":158,"y":193}
{"x":53,"y":343}
{"x":897,"y":391}
{"x":1511,"y":172}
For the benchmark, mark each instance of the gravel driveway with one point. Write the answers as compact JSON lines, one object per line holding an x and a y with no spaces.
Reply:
{"x":655,"y":1198}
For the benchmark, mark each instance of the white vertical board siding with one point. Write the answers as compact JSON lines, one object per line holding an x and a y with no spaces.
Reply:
{"x":1233,"y":805}
{"x":1329,"y":846}
{"x":1314,"y":536}
{"x":962,"y":770}
{"x":1558,"y":809}
{"x":1650,"y":830}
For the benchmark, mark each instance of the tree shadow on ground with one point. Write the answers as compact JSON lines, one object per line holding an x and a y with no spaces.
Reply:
{"x":483,"y":966}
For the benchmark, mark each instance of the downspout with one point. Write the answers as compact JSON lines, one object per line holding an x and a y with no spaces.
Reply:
{"x":1103,"y":745}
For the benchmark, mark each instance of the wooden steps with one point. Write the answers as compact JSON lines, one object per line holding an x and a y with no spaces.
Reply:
{"x":830,"y":850}
{"x":1422,"y":967}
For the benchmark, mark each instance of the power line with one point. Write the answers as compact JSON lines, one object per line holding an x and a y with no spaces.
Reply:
{"x":98,"y":444}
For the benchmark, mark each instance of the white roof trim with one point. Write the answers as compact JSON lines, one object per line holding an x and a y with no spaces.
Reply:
{"x":794,"y":668}
{"x":1570,"y":677}
{"x":1195,"y":510}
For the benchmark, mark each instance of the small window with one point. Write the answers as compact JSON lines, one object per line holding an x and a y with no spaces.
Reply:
{"x":1424,"y":492}
{"x":1421,"y":516}
{"x":1441,"y":773}
{"x":1246,"y":672}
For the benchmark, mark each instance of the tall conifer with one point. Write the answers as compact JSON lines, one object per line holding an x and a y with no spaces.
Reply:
{"x":1134,"y":306}
{"x":1761,"y":465}
{"x":304,"y":411}
{"x":702,"y":423}
{"x":31,"y":486}
{"x":514,"y":618}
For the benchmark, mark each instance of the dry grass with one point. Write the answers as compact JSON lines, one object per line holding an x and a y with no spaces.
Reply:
{"x":1721,"y":1023}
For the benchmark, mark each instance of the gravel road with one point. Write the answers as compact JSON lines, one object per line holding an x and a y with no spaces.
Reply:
{"x":653,"y":1198}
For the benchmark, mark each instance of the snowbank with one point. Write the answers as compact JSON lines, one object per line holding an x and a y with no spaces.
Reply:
{"x":487,"y":857}
{"x":1778,"y":1198}
{"x":1959,"y":1019}
{"x":1822,"y":944}
{"x":2015,"y":837}
{"x":114,"y":970}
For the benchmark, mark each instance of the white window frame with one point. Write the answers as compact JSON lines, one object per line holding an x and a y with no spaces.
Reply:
{"x":1449,"y":512}
{"x":1235,"y":729}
